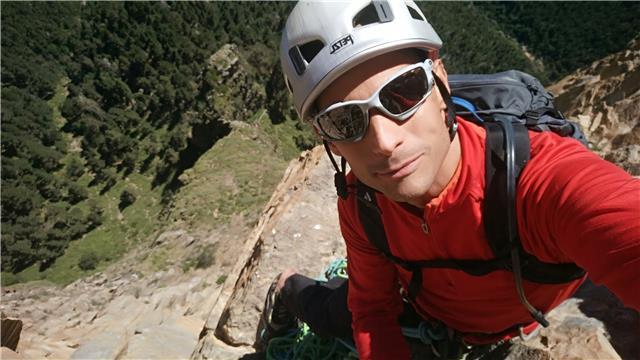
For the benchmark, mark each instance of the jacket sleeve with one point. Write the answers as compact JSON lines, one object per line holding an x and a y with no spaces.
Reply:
{"x":580,"y":208}
{"x":374,"y":295}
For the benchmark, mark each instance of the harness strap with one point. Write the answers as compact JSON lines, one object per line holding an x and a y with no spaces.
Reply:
{"x":415,"y":284}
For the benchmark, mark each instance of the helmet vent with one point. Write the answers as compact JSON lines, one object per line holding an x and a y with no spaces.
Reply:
{"x":375,"y":12}
{"x":414,"y":13}
{"x":297,"y":60}
{"x":366,"y":16}
{"x":311,"y":49}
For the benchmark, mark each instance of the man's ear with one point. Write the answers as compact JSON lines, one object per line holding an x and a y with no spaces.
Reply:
{"x":334,"y":149}
{"x":438,"y":68}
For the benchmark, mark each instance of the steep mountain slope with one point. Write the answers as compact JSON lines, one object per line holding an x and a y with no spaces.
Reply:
{"x":181,"y":246}
{"x":156,"y":299}
{"x":104,"y":106}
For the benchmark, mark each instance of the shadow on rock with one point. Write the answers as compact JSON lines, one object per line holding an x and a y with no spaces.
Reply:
{"x":254,"y":356}
{"x":622,"y":323}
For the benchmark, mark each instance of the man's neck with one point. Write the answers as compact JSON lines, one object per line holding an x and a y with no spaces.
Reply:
{"x":444,"y":176}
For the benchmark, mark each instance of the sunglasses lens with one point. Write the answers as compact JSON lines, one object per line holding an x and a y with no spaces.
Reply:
{"x":342,"y":123}
{"x":405,"y":91}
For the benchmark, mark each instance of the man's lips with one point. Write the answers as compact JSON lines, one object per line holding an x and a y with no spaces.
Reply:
{"x":402,"y":170}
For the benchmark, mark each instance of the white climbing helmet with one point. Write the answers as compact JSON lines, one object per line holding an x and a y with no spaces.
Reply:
{"x":324,"y":39}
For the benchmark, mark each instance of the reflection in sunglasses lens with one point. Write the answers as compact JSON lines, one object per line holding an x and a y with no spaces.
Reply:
{"x":405,"y":91}
{"x":342,"y":123}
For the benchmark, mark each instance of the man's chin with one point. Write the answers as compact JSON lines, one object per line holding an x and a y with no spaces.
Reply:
{"x":403,"y":195}
{"x":406,"y":190}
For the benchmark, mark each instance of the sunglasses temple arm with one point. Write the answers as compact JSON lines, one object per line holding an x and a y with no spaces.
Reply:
{"x":452,"y":123}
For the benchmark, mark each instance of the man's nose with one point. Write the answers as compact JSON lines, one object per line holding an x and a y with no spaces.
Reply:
{"x":384,"y":133}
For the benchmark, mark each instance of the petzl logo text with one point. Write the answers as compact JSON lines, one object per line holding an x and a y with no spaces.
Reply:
{"x":341,"y":44}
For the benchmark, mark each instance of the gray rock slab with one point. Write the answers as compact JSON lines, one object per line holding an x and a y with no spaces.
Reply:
{"x":108,"y":345}
{"x":165,"y":341}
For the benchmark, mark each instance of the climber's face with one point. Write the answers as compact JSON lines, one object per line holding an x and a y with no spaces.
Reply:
{"x":405,"y":160}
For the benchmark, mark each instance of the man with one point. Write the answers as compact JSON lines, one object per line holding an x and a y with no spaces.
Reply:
{"x":368,"y":78}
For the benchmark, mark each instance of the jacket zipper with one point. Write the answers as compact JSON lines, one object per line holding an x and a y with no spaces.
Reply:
{"x":424,"y":226}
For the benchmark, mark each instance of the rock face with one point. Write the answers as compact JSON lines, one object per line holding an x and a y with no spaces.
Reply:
{"x":605,"y":98}
{"x":113,"y":315}
{"x":234,"y":94}
{"x":591,"y":325}
{"x":300,"y":231}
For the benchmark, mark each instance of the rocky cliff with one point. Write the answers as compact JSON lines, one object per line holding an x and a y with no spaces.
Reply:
{"x":605,"y":99}
{"x":300,"y":230}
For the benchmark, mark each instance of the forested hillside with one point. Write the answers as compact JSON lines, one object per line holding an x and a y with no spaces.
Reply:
{"x":106,"y":104}
{"x":566,"y":35}
{"x":135,"y":83}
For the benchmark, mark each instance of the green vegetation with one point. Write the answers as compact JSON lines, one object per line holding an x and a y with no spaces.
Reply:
{"x":119,"y":231}
{"x":159,"y":259}
{"x":96,"y":93}
{"x":243,"y":184}
{"x":126,"y":198}
{"x":88,"y":261}
{"x":472,"y":43}
{"x":567,"y":35}
{"x":221,"y":279}
{"x":118,"y":120}
{"x":204,"y":258}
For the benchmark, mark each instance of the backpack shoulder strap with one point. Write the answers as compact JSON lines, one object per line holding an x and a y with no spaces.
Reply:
{"x":506,"y":136}
{"x":496,"y":198}
{"x":497,"y":203}
{"x":371,"y":220}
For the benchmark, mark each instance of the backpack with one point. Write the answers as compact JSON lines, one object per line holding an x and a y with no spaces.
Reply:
{"x":509,"y":105}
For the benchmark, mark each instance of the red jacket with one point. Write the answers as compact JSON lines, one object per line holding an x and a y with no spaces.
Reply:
{"x":572,"y":207}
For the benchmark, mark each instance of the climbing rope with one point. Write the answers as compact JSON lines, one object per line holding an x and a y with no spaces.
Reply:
{"x":427,"y":333}
{"x":303,"y":344}
{"x":337,"y":268}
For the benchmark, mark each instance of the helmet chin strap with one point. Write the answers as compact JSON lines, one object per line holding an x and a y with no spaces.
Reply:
{"x":452,"y":123}
{"x":340,"y":177}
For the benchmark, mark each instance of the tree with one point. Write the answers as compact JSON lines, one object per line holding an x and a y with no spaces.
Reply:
{"x":95,"y":215}
{"x":74,"y":168}
{"x":88,"y":261}
{"x":76,"y":193}
{"x":126,"y":198}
